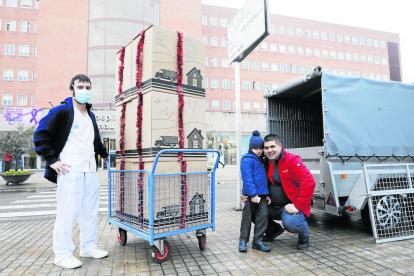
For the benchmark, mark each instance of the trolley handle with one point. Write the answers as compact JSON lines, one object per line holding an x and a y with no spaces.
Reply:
{"x":184,"y":151}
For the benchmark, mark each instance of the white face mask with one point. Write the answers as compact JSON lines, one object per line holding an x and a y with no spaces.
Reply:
{"x":82,"y":96}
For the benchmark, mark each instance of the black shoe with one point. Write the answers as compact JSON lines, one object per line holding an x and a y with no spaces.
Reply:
{"x":261,"y":246}
{"x":242,"y":246}
{"x":270,"y":238}
{"x":302,"y":245}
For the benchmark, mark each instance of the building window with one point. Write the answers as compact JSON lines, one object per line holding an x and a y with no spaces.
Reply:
{"x":224,"y":42}
{"x":282,"y":49}
{"x":205,"y":40}
{"x":33,"y":75}
{"x":224,"y":22}
{"x":36,"y":4}
{"x":256,"y":85}
{"x":36,"y":27}
{"x":308,"y":34}
{"x":333,"y":54}
{"x":9,"y":50}
{"x":226,"y":105}
{"x":263,"y":47}
{"x":215,"y":104}
{"x":215,"y":83}
{"x":317,"y":52}
{"x":331,"y":37}
{"x":377,"y":60}
{"x":291,"y":50}
{"x":265,"y":66}
{"x":274,"y":85}
{"x":355,"y":40}
{"x":334,"y":71}
{"x":299,"y":32}
{"x":11,"y":3}
{"x":24,"y":50}
{"x":369,"y":42}
{"x":224,"y":63}
{"x":255,"y":65}
{"x":256,"y":106}
{"x":233,"y":84}
{"x":291,"y":31}
{"x":371,"y":75}
{"x":349,"y":73}
{"x":33,"y":100}
{"x":273,"y":29}
{"x":362,"y":41}
{"x":7,"y":99}
{"x":264,"y":106}
{"x":8,"y":74}
{"x":204,"y":20}
{"x":283,"y":68}
{"x":324,"y":36}
{"x":10,"y":25}
{"x":316,"y":34}
{"x":309,"y":69}
{"x":26,"y":4}
{"x":300,"y":51}
{"x":214,"y":62}
{"x":339,"y":38}
{"x":274,"y":67}
{"x":225,"y":84}
{"x":376,"y":43}
{"x":308,"y":51}
{"x":213,"y":21}
{"x":25,"y":26}
{"x":23,"y":75}
{"x":325,"y":53}
{"x":356,"y":57}
{"x":246,"y":85}
{"x":206,"y":61}
{"x":384,"y":61}
{"x":378,"y":76}
{"x":213,"y":41}
{"x":273,"y":47}
{"x":282,"y":30}
{"x":206,"y":82}
{"x":21,"y":99}
{"x":341,"y":55}
{"x":347,"y":39}
{"x":370,"y":59}
{"x":246,"y":105}
{"x":357,"y":74}
{"x":382,"y":44}
{"x":292,"y":69}
{"x":265,"y":86}
{"x":348,"y":56}
{"x":325,"y":70}
{"x":385,"y":76}
{"x":302,"y":69}
{"x":245,"y":64}
{"x":363,"y":58}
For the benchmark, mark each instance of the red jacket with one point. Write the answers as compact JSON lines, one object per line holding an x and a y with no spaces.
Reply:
{"x":8,"y":157}
{"x":297,"y":181}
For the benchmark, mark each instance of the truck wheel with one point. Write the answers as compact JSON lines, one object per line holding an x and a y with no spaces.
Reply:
{"x":172,"y":146}
{"x":366,"y":220}
{"x":157,"y":145}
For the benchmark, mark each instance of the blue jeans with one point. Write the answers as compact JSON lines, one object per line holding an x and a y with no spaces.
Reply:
{"x":292,"y":223}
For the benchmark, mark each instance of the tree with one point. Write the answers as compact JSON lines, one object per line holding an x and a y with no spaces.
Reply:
{"x":213,"y":139}
{"x":17,"y":142}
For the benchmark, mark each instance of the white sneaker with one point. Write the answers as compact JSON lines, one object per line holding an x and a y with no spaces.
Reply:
{"x":69,"y":262}
{"x":96,"y":253}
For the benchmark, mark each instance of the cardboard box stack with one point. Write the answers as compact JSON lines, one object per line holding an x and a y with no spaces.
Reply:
{"x":160,"y":122}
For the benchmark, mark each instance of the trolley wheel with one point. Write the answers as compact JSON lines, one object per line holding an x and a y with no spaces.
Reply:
{"x":122,"y":236}
{"x":156,"y":254}
{"x":202,"y":242}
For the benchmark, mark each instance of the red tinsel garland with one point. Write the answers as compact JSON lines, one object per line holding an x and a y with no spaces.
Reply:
{"x":122,"y":128}
{"x":181,"y":128}
{"x":138,"y":79}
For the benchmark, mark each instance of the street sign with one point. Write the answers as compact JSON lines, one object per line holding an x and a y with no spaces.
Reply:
{"x":247,"y":29}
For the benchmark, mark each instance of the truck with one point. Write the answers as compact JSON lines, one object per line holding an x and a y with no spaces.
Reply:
{"x":169,"y":211}
{"x":166,"y":141}
{"x":166,"y":74}
{"x":342,"y":126}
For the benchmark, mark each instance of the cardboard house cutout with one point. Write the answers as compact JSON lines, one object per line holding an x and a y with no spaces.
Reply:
{"x":197,"y":204}
{"x":194,"y":78}
{"x":195,"y":139}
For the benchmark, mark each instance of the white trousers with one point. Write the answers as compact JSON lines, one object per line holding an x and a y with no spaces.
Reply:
{"x":77,"y":199}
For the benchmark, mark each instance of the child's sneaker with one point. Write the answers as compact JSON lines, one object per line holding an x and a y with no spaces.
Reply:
{"x":242,"y":246}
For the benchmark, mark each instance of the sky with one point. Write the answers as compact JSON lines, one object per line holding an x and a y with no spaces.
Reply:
{"x":396,"y":16}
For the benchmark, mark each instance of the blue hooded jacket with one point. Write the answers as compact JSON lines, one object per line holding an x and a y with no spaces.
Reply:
{"x":253,"y":175}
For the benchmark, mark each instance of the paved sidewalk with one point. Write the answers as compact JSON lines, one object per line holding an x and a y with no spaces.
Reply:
{"x":339,"y":246}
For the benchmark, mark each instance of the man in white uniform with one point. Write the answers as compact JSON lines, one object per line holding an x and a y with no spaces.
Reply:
{"x":68,"y":139}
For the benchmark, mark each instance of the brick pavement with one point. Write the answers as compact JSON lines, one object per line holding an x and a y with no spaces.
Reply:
{"x":339,"y":246}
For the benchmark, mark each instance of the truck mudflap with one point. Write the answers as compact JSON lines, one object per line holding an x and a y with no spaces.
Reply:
{"x":390,"y":195}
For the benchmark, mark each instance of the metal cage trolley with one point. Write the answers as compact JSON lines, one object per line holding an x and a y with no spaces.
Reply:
{"x":155,"y":206}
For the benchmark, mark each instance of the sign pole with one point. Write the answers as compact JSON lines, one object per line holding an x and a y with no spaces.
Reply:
{"x":238,"y":134}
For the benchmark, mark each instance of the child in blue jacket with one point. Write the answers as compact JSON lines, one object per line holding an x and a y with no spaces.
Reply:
{"x":255,"y":187}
